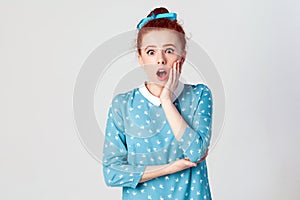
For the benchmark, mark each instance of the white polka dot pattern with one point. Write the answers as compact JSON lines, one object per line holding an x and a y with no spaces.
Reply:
{"x":138,"y":135}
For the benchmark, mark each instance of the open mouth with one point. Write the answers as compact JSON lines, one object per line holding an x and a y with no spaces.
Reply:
{"x":161,"y":73}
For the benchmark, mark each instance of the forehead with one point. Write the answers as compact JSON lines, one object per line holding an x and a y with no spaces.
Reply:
{"x":159,"y":38}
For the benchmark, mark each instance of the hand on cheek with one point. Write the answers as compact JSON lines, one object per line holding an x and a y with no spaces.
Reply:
{"x":172,"y":82}
{"x":179,"y":65}
{"x":176,"y":71}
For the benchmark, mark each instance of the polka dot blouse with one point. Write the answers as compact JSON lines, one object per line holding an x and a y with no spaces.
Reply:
{"x":138,"y":135}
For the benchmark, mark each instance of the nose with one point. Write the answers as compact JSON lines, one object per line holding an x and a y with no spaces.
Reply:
{"x":161,"y":60}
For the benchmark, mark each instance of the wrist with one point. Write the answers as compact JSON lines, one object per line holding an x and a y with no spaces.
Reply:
{"x":166,"y":101}
{"x":166,"y":169}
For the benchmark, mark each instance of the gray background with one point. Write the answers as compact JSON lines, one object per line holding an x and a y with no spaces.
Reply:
{"x":254,"y":45}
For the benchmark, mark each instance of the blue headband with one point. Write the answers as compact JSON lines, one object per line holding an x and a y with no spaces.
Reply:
{"x":170,"y":16}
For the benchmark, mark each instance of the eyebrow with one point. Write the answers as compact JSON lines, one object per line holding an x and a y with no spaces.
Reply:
{"x":165,"y":45}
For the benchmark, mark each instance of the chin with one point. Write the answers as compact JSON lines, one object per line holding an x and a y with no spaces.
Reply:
{"x":161,"y":83}
{"x":158,"y":82}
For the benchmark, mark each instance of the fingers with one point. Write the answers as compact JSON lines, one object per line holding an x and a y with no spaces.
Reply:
{"x":171,"y":78}
{"x":174,"y":75}
{"x":169,"y":82}
{"x":189,"y":163}
{"x":175,"y":71}
{"x":178,"y":66}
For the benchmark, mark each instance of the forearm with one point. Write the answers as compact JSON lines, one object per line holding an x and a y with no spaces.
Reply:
{"x":176,"y":121}
{"x":152,"y":172}
{"x":194,"y":144}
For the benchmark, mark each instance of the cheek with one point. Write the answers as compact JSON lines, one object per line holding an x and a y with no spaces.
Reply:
{"x":148,"y":59}
{"x":172,"y":59}
{"x":149,"y":68}
{"x":150,"y":72}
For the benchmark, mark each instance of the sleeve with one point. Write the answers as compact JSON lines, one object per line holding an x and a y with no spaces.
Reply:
{"x":116,"y":170}
{"x":197,"y":135}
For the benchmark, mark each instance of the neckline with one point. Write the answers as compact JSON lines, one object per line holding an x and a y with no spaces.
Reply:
{"x":154,"y":99}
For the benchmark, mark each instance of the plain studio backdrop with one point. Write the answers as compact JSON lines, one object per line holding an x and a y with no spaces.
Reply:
{"x":253,"y":44}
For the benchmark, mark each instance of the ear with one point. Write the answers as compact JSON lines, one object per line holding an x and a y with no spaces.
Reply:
{"x":140,"y":59}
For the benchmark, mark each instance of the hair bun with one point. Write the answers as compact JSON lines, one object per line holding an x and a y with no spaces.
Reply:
{"x":157,"y":11}
{"x":160,"y":22}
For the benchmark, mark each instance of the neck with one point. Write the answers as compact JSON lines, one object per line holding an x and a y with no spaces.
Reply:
{"x":154,"y":89}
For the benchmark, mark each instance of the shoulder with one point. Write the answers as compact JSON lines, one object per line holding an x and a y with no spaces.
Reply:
{"x":123,"y":98}
{"x":198,"y":89}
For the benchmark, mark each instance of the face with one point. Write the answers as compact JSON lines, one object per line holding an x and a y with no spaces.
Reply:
{"x":160,"y":49}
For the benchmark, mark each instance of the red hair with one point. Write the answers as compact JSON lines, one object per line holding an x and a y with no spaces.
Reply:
{"x":160,"y":23}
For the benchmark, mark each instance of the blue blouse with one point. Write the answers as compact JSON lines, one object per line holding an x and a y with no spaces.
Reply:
{"x":138,"y":135}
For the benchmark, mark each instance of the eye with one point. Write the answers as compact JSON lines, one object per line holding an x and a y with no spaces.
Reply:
{"x":150,"y":52}
{"x":169,"y":50}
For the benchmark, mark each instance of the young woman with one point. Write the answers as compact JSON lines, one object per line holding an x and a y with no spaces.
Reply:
{"x":157,"y":135}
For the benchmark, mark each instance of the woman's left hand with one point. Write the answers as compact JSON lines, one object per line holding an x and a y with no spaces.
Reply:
{"x":172,"y":82}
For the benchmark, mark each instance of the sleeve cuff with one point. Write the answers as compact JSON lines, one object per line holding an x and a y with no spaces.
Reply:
{"x":137,"y":177}
{"x":187,"y":138}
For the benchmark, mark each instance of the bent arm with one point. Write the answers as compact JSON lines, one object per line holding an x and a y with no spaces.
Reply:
{"x":116,"y":169}
{"x":152,"y":172}
{"x":195,"y":138}
{"x":176,"y":121}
